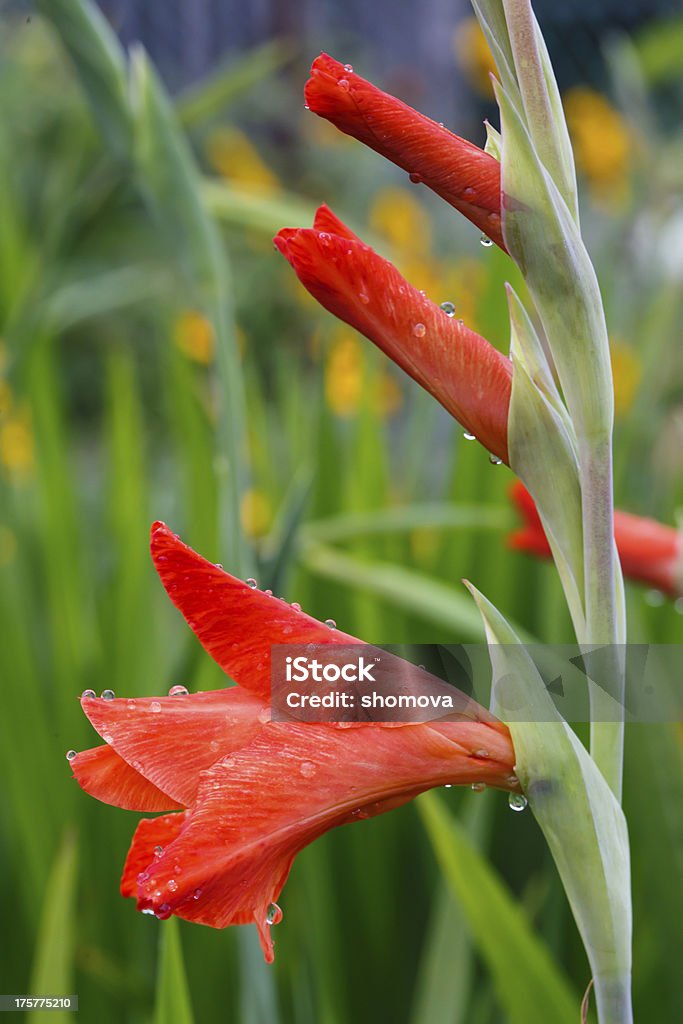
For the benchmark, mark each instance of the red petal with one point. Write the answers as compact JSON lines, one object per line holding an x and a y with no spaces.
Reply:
{"x":170,"y":740}
{"x":260,"y":806}
{"x":150,"y":833}
{"x":462,"y":174}
{"x":106,"y":776}
{"x":470,"y":378}
{"x":325,"y":220}
{"x":233,"y":622}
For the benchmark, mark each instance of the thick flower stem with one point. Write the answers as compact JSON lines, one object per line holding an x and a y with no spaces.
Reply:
{"x":604,"y":613}
{"x":613,"y":999}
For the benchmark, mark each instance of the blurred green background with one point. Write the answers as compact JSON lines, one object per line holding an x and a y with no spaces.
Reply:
{"x":159,"y":360}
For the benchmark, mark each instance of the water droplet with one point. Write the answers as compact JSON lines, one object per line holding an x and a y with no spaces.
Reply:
{"x":349,"y":68}
{"x":130,"y":704}
{"x":448,"y":785}
{"x":654,"y":598}
{"x":469,"y":193}
{"x":178,"y":691}
{"x":219,"y":565}
{"x":107,"y":695}
{"x":478,"y":787}
{"x":415,"y":177}
{"x":324,"y":237}
{"x":172,"y":885}
{"x":468,"y":436}
{"x":268,"y":593}
{"x":517,"y":801}
{"x":155,"y":706}
{"x":307,"y":769}
{"x":88,"y":693}
{"x":196,"y":894}
{"x":441,"y":124}
{"x":331,"y":623}
{"x":251,"y":582}
{"x":264,"y":716}
{"x":485,"y":241}
{"x":306,"y":106}
{"x":214,"y":745}
{"x":296,"y":606}
{"x":481,"y":753}
{"x":448,"y":308}
{"x":158,"y":850}
{"x":364,"y":297}
{"x":274,"y":915}
{"x":495,"y":460}
{"x":494,"y":219}
{"x":164,"y":911}
{"x":419,"y":330}
{"x":343,"y":84}
{"x":70,"y":754}
{"x":142,"y":877}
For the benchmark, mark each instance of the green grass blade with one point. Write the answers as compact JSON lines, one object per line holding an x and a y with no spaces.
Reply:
{"x":173,"y":995}
{"x":52,"y":973}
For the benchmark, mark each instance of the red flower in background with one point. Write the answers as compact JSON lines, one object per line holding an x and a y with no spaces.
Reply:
{"x":247,"y":793}
{"x":470,"y":378}
{"x":463,"y":174}
{"x":649,"y":551}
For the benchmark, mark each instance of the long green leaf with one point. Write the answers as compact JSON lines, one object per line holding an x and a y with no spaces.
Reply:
{"x":52,"y":973}
{"x":173,"y":1004}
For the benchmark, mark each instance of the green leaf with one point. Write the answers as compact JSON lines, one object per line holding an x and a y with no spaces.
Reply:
{"x":530,"y":988}
{"x":437,"y":515}
{"x":52,"y":972}
{"x":173,"y":1004}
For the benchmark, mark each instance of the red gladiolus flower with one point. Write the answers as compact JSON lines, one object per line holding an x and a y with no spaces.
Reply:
{"x":649,"y":551}
{"x":470,"y":378}
{"x":247,"y":793}
{"x":465,"y":176}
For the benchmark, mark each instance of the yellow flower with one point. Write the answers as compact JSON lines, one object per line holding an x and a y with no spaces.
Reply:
{"x":626,"y":370}
{"x":16,"y":443}
{"x":402,"y":219}
{"x":256,"y":513}
{"x":601,"y":139}
{"x":462,"y":283}
{"x":230,"y":152}
{"x":474,"y":56}
{"x":5,"y":397}
{"x":193,"y":334}
{"x":344,"y":371}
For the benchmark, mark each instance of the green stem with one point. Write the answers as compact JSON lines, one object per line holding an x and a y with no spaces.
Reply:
{"x":613,"y":998}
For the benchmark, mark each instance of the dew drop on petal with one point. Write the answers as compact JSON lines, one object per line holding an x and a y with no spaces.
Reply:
{"x":331,"y":623}
{"x":324,"y":237}
{"x":251,"y":582}
{"x":88,"y":693}
{"x":517,"y":801}
{"x":70,"y":754}
{"x":158,"y":850}
{"x":469,"y":193}
{"x":274,"y":915}
{"x":264,"y":716}
{"x":219,"y":565}
{"x":448,"y":308}
{"x":107,"y":695}
{"x":164,"y":911}
{"x":172,"y":885}
{"x":296,"y":606}
{"x":130,"y":704}
{"x":495,"y":460}
{"x":485,"y":241}
{"x":478,"y":787}
{"x":155,"y":706}
{"x":481,"y":753}
{"x":343,"y":84}
{"x":364,"y":298}
{"x":307,"y":769}
{"x":178,"y":691}
{"x":468,"y":436}
{"x":415,"y":177}
{"x":348,"y":68}
{"x":268,"y":593}
{"x":196,"y":894}
{"x":419,"y":330}
{"x":448,"y":785}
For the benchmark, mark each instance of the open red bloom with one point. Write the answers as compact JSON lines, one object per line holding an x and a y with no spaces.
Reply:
{"x":649,"y":551}
{"x":465,"y":176}
{"x":247,"y":793}
{"x":470,"y":378}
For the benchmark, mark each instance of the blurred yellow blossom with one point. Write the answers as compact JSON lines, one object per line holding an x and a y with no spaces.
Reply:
{"x":5,"y":397}
{"x":473,"y":55}
{"x":626,"y":370}
{"x":463,"y":283}
{"x":234,"y":157}
{"x":193,"y":334}
{"x":256,"y":512}
{"x":602,"y":141}
{"x":16,"y":443}
{"x":345,"y":378}
{"x":402,"y":219}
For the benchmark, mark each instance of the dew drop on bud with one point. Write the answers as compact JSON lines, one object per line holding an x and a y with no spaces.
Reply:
{"x":468,"y":436}
{"x":448,"y":308}
{"x":419,"y":330}
{"x":70,"y":754}
{"x":296,"y":606}
{"x":364,"y":298}
{"x":251,"y":582}
{"x":448,"y":785}
{"x":155,"y":706}
{"x":343,"y":84}
{"x":307,"y":769}
{"x":274,"y":915}
{"x":415,"y":177}
{"x":485,"y":241}
{"x":348,"y":68}
{"x":158,"y":850}
{"x":178,"y":691}
{"x":88,"y":693}
{"x":268,"y":593}
{"x":107,"y":695}
{"x":517,"y":801}
{"x":172,"y":885}
{"x":495,"y":460}
{"x":469,"y":193}
{"x":478,"y":787}
{"x":331,"y":623}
